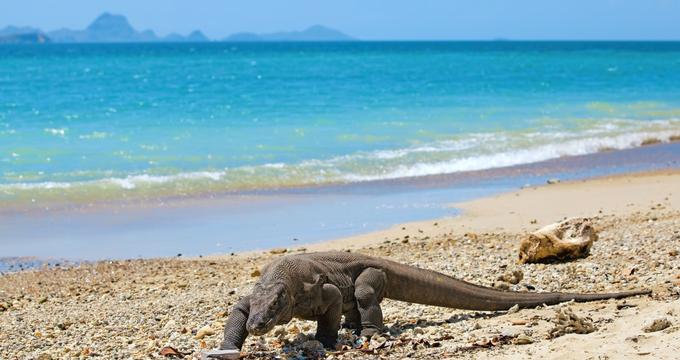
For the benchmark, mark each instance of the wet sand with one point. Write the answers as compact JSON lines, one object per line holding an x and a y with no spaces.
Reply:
{"x":135,"y":308}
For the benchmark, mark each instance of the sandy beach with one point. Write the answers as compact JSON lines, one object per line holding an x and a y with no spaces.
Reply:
{"x":137,"y":308}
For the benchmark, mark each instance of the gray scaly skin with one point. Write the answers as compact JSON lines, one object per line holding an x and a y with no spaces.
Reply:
{"x":324,"y":286}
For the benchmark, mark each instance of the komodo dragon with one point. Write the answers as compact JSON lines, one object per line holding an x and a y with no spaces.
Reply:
{"x":324,"y":286}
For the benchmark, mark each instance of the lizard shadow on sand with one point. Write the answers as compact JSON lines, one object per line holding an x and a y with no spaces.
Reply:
{"x":399,"y":326}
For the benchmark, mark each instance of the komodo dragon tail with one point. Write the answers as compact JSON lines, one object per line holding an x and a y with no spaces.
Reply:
{"x":406,"y":283}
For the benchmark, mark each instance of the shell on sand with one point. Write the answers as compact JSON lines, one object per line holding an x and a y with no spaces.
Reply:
{"x":568,"y":239}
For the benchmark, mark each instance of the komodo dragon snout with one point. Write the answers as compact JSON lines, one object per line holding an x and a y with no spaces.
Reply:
{"x":269,"y":303}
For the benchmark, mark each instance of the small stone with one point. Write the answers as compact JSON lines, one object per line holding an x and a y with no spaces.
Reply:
{"x":553,"y":181}
{"x":501,"y":285}
{"x":255,"y":273}
{"x":513,"y":277}
{"x":523,"y":340}
{"x":509,"y":333}
{"x":518,"y":322}
{"x":513,"y":309}
{"x":673,"y":252}
{"x":656,"y":325}
{"x":278,"y":251}
{"x":169,"y":326}
{"x":312,"y":348}
{"x":203,"y":332}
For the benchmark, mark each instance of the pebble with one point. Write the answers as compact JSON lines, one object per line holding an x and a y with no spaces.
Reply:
{"x":203,"y":332}
{"x":656,"y":325}
{"x":522,"y":340}
{"x":312,"y":348}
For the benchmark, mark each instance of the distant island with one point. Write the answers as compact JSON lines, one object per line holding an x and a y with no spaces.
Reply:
{"x":313,"y":33}
{"x":111,"y":28}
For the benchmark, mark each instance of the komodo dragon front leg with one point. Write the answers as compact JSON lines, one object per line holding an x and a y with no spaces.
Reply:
{"x":323,"y":303}
{"x":235,"y":332}
{"x":328,"y":320}
{"x":369,"y":289}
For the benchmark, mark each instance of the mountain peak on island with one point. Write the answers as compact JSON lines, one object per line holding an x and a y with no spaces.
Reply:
{"x":312,"y":33}
{"x":108,"y":21}
{"x":109,"y":27}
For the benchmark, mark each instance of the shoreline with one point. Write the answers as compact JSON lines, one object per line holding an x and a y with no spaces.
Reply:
{"x":232,"y":224}
{"x":520,"y":210}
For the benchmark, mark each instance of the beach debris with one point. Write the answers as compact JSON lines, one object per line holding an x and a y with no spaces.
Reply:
{"x":553,"y":181}
{"x":203,"y":332}
{"x":170,"y":351}
{"x":493,"y":341}
{"x":566,"y":322}
{"x":568,"y":239}
{"x":255,"y":273}
{"x":278,"y":251}
{"x":656,"y":325}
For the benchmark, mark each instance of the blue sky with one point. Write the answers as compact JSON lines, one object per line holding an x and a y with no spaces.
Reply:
{"x":372,"y":19}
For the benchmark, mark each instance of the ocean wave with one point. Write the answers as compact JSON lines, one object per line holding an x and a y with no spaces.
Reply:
{"x":468,"y":152}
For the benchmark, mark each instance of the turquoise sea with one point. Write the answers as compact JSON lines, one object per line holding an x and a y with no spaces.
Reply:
{"x":125,"y":150}
{"x":105,"y":122}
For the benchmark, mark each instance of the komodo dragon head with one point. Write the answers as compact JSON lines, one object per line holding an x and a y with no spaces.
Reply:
{"x":269,"y":304}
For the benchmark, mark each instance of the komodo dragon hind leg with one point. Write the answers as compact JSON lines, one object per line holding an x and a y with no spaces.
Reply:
{"x":328,"y":323}
{"x":369,"y":289}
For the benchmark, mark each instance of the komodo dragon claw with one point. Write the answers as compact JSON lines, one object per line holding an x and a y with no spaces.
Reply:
{"x":220,"y":354}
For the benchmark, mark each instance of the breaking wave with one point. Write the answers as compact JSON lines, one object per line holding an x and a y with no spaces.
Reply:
{"x":467,"y":152}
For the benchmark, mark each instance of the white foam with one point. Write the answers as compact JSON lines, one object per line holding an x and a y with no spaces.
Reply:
{"x":516,"y":157}
{"x":468,"y":152}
